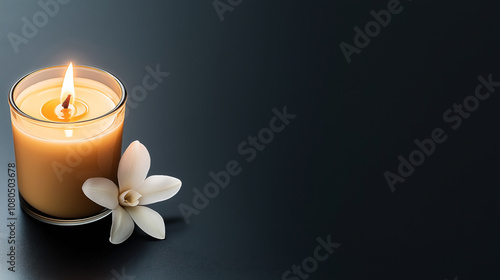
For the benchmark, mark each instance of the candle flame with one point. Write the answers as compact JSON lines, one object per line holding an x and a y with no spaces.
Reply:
{"x":68,"y":86}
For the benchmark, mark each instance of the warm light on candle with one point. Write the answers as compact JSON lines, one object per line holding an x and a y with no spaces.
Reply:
{"x":67,"y":123}
{"x":68,"y":87}
{"x":66,"y":108}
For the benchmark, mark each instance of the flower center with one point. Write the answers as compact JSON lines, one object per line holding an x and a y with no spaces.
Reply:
{"x":129,"y":198}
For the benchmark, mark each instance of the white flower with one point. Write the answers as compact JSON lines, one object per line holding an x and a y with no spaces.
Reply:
{"x":134,"y":191}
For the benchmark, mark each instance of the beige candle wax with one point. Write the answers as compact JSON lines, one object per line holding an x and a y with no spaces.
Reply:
{"x":64,"y":133}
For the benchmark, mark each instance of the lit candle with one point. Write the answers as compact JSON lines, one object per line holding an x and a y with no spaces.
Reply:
{"x":65,"y":130}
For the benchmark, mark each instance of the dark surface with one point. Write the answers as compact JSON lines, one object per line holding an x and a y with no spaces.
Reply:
{"x":321,"y":176}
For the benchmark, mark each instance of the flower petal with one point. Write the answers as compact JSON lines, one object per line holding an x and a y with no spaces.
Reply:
{"x":148,"y":220}
{"x":133,"y":167}
{"x":122,"y":226}
{"x":102,"y":191}
{"x":158,"y":188}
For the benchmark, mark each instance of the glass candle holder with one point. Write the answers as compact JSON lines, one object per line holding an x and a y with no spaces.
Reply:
{"x":55,"y":157}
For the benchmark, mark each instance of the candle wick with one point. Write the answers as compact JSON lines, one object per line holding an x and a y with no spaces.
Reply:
{"x":65,"y":104}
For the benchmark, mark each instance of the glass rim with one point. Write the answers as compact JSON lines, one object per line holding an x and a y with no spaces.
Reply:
{"x":119,"y":105}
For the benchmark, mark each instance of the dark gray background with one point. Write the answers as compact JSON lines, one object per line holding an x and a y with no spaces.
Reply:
{"x":321,"y":176}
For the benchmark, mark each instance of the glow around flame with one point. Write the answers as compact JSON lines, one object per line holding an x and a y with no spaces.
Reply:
{"x":68,"y":86}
